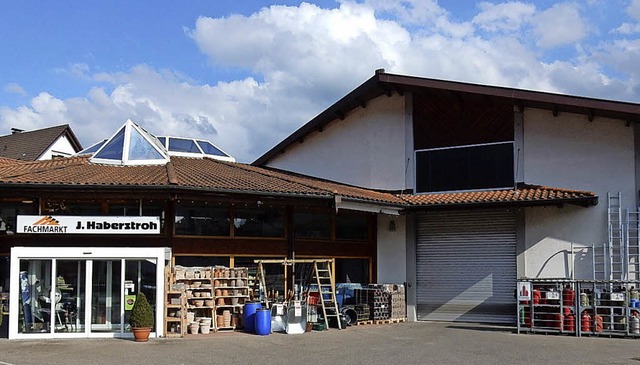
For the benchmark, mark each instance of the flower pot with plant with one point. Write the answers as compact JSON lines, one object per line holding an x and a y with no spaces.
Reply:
{"x":141,"y":319}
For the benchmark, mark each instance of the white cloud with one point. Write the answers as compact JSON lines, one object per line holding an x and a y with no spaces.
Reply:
{"x":78,"y":70}
{"x":634,"y":9}
{"x":13,"y":88}
{"x":304,"y":58}
{"x":631,"y":27}
{"x":559,"y":25}
{"x":510,"y":16}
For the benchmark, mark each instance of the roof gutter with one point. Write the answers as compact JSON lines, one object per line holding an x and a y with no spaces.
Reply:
{"x":365,"y":206}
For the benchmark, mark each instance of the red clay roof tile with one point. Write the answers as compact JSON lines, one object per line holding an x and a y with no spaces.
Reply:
{"x":219,"y":176}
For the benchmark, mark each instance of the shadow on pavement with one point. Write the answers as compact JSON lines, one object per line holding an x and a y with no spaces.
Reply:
{"x":484,"y":328}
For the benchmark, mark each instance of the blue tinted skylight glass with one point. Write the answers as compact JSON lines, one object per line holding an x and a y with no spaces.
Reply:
{"x":162,"y":140}
{"x":183,"y":145}
{"x":92,"y":149}
{"x":141,"y":149}
{"x":210,"y":149}
{"x":113,"y":150}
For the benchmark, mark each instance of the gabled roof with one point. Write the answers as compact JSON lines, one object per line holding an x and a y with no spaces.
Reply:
{"x":386,"y":84}
{"x":202,"y":174}
{"x":30,"y":145}
{"x":215,"y":176}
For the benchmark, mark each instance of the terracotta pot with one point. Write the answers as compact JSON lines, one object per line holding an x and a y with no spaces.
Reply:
{"x":220,"y":301}
{"x":208,"y":302}
{"x":205,"y":328}
{"x":194,"y":327}
{"x":216,"y":283}
{"x":220,"y":320}
{"x":218,"y":292}
{"x":141,"y":334}
{"x":226,"y":316}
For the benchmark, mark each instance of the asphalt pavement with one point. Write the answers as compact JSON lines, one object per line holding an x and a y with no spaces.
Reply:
{"x":401,"y":343}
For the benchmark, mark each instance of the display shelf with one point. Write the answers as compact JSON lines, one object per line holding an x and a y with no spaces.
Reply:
{"x":230,"y":287}
{"x":175,"y":313}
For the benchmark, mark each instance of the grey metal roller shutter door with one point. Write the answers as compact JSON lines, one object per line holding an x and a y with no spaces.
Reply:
{"x":466,"y":266}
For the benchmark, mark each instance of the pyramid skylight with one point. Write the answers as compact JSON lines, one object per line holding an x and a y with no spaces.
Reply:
{"x":131,"y":145}
{"x":93,"y":148}
{"x":190,"y":147}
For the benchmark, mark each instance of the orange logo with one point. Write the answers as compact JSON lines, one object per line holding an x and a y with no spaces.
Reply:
{"x":47,"y":221}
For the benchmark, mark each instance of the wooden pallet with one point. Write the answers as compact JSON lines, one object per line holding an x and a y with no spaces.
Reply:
{"x":381,"y":321}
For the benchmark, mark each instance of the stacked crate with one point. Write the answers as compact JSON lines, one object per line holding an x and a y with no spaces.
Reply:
{"x":397,"y":303}
{"x":377,"y":299}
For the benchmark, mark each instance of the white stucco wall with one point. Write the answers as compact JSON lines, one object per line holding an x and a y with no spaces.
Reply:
{"x":570,"y":152}
{"x":392,"y":256}
{"x":60,"y":146}
{"x":366,"y":149}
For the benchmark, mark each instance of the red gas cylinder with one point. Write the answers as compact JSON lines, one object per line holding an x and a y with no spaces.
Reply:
{"x":566,"y":311}
{"x":585,"y":322}
{"x":568,"y":296}
{"x":527,"y":320}
{"x":536,"y":296}
{"x":555,"y":320}
{"x":570,"y":323}
{"x":598,"y":323}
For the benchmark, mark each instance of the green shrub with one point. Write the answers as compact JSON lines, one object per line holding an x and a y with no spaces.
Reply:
{"x":141,"y":313}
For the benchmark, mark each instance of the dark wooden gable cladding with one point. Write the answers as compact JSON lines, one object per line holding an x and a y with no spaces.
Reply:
{"x":447,"y":118}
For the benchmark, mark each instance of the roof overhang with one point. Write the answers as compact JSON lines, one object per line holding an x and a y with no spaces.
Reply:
{"x":522,"y":196}
{"x":341,"y":203}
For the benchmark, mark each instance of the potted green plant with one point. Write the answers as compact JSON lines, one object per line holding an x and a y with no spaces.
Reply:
{"x":141,"y":319}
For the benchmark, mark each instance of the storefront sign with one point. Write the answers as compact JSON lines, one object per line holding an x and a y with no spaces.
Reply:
{"x":59,"y":224}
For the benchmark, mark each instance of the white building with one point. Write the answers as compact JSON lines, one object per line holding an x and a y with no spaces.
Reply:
{"x":499,"y":183}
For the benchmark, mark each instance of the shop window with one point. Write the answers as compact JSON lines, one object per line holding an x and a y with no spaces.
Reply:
{"x":202,"y":220}
{"x":72,"y":208}
{"x":35,"y":296}
{"x":259,"y":222}
{"x":132,"y":209}
{"x":352,"y":227}
{"x":202,"y":261}
{"x":9,"y":212}
{"x":4,"y":274}
{"x":124,"y":209}
{"x":273,"y":273}
{"x":308,"y":224}
{"x":352,"y":271}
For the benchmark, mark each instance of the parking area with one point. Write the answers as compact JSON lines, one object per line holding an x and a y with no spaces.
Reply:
{"x":403,"y":343}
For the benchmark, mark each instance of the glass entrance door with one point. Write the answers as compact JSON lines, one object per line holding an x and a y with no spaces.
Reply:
{"x":106,"y":296}
{"x":82,"y":292}
{"x":69,"y":296}
{"x":140,"y":276}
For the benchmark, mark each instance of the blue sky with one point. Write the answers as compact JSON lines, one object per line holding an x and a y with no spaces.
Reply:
{"x":245,"y":74}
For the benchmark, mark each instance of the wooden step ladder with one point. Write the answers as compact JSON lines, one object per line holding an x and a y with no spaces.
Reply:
{"x":262,"y":285}
{"x":322,"y":273}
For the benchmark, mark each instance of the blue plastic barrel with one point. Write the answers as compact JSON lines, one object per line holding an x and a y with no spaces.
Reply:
{"x":249,"y":316}
{"x":263,"y":322}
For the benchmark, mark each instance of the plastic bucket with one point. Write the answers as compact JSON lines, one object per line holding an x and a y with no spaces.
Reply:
{"x":263,"y":322}
{"x":249,"y":315}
